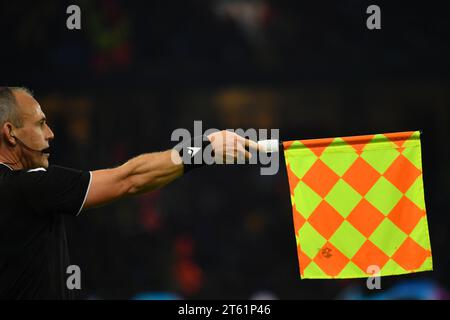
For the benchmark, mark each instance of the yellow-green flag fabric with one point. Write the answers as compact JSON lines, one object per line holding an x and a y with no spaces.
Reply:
{"x":358,"y":205}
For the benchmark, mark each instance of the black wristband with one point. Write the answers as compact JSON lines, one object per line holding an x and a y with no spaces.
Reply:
{"x":192,"y":153}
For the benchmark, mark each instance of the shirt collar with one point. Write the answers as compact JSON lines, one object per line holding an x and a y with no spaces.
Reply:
{"x":6,"y":165}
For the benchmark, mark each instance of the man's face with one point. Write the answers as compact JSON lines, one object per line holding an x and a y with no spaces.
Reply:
{"x":34,"y":133}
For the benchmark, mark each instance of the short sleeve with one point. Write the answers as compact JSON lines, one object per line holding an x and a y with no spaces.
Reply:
{"x":55,"y":189}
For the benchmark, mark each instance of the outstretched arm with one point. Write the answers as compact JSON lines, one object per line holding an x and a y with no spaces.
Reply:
{"x":145,"y":172}
{"x":151,"y":171}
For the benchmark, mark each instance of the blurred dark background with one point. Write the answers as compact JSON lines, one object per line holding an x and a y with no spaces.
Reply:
{"x":138,"y":70}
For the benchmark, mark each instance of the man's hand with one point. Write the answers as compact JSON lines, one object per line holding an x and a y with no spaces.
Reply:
{"x":229,"y":146}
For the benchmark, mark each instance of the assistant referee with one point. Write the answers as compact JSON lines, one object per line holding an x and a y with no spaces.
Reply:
{"x":34,"y":196}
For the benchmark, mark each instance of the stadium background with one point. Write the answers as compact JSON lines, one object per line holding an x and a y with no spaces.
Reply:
{"x":138,"y":70}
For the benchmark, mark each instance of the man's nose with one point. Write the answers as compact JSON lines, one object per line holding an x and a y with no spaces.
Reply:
{"x":50,"y":135}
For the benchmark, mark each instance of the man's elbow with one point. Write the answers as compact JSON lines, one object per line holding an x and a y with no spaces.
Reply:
{"x":138,"y":185}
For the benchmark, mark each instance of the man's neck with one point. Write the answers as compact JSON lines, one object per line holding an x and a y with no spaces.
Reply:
{"x":9,"y":158}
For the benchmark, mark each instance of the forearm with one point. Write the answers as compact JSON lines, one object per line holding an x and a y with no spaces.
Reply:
{"x":151,"y":171}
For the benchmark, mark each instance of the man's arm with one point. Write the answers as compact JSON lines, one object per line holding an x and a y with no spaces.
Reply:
{"x":148,"y":172}
{"x":143,"y":173}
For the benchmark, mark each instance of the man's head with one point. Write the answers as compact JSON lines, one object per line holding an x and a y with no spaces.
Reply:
{"x":24,"y":132}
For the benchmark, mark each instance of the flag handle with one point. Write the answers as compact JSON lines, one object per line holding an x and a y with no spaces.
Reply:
{"x":269,"y":146}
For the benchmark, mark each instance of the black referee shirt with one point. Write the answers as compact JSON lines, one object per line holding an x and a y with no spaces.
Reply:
{"x":33,"y":245}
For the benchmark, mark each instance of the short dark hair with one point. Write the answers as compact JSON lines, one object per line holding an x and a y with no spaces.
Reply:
{"x":8,"y":105}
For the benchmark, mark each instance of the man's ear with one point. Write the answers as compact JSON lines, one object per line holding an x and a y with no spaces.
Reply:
{"x":8,"y":133}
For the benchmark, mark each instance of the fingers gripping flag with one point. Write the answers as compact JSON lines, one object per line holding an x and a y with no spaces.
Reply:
{"x":358,"y":202}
